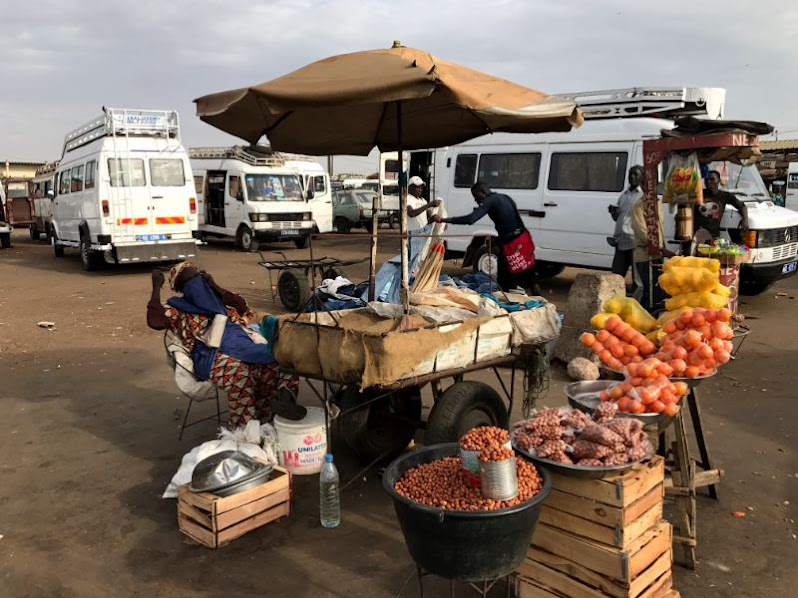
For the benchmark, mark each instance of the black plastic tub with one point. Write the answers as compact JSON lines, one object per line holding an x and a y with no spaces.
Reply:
{"x":463,"y":545}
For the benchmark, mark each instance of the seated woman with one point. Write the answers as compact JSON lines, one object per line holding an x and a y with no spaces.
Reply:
{"x":212,"y":324}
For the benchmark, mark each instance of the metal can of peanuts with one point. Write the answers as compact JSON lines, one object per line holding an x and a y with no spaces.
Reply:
{"x":499,"y":479}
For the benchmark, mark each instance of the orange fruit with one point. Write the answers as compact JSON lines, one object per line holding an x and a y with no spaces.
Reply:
{"x":669,"y":327}
{"x":680,"y":387}
{"x":698,"y":320}
{"x":678,"y":365}
{"x":605,"y":356}
{"x":623,"y":404}
{"x":647,"y":347}
{"x":657,"y":407}
{"x":616,"y":392}
{"x":704,"y":351}
{"x":680,"y":353}
{"x":716,"y":344}
{"x":711,"y":315}
{"x":671,"y":409}
{"x":631,"y":350}
{"x":636,"y":407}
{"x":691,"y":372}
{"x":617,"y":351}
{"x":612,"y":323}
{"x":722,"y":356}
{"x":724,"y":315}
{"x":587,"y":339}
{"x":604,"y":395}
{"x":602,"y":336}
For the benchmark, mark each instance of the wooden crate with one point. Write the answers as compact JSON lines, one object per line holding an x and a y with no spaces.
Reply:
{"x":624,"y":565}
{"x":213,"y":520}
{"x":612,"y":525}
{"x":619,"y":491}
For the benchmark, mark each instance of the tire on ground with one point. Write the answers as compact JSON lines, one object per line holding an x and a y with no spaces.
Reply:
{"x":381,"y":428}
{"x":302,"y":242}
{"x":245,"y":241}
{"x":482,"y":252}
{"x":5,"y":240}
{"x":462,"y":406}
{"x":90,"y":259}
{"x":294,"y":289}
{"x":342,"y":225}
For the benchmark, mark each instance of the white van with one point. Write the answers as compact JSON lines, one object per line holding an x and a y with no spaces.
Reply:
{"x":5,"y":227}
{"x":250,"y":196}
{"x":791,"y":193}
{"x":563,"y":183}
{"x":316,"y":180}
{"x":124,"y":191}
{"x":43,"y":198}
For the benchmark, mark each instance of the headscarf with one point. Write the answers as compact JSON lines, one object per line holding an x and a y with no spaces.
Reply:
{"x":175,"y":272}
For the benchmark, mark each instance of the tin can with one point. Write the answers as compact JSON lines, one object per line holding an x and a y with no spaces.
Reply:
{"x":470,"y":459}
{"x":499,"y":479}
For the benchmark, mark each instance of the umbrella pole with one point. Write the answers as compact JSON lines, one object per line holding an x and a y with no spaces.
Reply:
{"x":402,"y":212}
{"x":375,"y":225}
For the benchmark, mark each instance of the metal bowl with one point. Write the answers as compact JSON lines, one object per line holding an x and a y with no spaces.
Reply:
{"x":578,"y":471}
{"x":223,"y":470}
{"x":585,"y":397}
{"x":256,"y":480}
{"x":693,"y":382}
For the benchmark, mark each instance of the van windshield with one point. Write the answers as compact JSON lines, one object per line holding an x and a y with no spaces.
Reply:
{"x":273,"y":187}
{"x":743,"y":181}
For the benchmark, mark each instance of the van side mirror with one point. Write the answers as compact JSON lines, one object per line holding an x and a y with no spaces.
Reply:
{"x":240,"y":195}
{"x":309,"y":194}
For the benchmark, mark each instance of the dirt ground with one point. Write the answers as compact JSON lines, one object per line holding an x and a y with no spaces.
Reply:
{"x":88,"y":442}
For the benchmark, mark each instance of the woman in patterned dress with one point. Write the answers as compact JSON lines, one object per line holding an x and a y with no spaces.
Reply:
{"x":242,"y":367}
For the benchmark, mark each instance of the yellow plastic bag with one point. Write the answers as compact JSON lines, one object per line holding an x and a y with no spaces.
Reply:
{"x":667,"y":316}
{"x":704,"y":299}
{"x":683,"y":181}
{"x":631,"y":312}
{"x":679,"y":279}
{"x":656,"y":336}
{"x":689,"y":261}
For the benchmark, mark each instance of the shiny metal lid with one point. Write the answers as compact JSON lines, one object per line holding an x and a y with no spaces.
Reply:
{"x":222,"y":470}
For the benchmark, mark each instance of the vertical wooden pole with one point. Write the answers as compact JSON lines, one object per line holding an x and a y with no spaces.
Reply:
{"x":402,"y":212}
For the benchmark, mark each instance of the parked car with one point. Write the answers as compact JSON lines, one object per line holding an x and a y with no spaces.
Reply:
{"x":352,"y":209}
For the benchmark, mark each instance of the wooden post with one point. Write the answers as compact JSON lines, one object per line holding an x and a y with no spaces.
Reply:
{"x":402,"y":212}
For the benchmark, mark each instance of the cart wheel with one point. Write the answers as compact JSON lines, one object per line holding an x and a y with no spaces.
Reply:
{"x":381,"y":428}
{"x":332,"y":272}
{"x":294,"y":289}
{"x":486,"y":261}
{"x":462,"y":406}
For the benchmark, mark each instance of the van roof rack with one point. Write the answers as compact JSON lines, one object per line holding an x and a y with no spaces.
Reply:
{"x":127,"y":122}
{"x":255,"y":157}
{"x":658,"y":102}
{"x":47,"y":167}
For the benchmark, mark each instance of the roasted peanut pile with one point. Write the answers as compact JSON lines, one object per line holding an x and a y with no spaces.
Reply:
{"x":482,"y":437}
{"x":442,"y":484}
{"x":496,"y":453}
{"x":567,"y":435}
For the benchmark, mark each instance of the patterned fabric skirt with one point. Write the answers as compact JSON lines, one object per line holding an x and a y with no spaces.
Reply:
{"x":249,"y":387}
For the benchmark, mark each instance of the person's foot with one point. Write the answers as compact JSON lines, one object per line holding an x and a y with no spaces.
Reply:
{"x":285,"y":406}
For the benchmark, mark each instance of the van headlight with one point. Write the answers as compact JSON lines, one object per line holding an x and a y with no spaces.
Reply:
{"x":306,"y":216}
{"x":258,"y":217}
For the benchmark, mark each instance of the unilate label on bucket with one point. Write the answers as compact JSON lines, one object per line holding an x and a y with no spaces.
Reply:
{"x":303,"y":443}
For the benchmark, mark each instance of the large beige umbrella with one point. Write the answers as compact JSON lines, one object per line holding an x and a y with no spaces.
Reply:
{"x":395,"y":99}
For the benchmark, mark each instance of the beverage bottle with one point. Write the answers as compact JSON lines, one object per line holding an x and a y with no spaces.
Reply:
{"x":329,"y":504}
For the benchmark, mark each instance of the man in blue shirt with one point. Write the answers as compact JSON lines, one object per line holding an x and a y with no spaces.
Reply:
{"x":501,"y":209}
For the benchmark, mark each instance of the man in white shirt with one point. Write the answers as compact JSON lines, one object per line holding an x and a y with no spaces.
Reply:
{"x":417,"y":206}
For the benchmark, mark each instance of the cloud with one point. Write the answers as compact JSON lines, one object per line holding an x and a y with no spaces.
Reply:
{"x":62,"y":61}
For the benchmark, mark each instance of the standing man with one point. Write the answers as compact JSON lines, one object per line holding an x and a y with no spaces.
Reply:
{"x":516,"y":265}
{"x":417,"y":206}
{"x":624,"y":238}
{"x":709,"y":214}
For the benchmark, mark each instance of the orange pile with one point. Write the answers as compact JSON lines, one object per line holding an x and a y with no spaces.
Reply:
{"x":647,"y":390}
{"x":618,"y":344}
{"x":697,"y":342}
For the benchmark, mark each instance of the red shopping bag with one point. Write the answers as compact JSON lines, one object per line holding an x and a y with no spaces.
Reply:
{"x":520,"y":253}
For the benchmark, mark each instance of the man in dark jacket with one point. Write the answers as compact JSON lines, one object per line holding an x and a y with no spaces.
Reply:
{"x":501,"y":209}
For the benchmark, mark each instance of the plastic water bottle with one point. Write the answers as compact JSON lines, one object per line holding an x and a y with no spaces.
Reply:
{"x":330,"y":506}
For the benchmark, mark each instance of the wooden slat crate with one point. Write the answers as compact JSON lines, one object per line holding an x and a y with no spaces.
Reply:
{"x":213,"y":521}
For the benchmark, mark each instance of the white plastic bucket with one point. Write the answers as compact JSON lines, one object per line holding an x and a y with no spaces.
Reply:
{"x":303,"y":443}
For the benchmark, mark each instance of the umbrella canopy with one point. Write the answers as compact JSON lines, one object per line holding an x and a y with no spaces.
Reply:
{"x":347,"y":104}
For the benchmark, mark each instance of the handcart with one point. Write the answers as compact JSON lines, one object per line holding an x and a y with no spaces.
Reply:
{"x":294,"y":282}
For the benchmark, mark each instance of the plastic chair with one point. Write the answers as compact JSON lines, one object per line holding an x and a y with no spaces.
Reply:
{"x":196,"y":391}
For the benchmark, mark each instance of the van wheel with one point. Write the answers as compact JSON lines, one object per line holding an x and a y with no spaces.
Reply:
{"x":34,"y":233}
{"x":58,"y":250}
{"x":548,"y":269}
{"x":753,"y":287}
{"x":5,"y":240}
{"x":91,"y":260}
{"x":342,"y":225}
{"x":486,"y":261}
{"x":244,"y":239}
{"x":301,"y":243}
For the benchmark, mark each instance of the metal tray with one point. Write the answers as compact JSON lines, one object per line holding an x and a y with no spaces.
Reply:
{"x":578,"y":471}
{"x":585,"y":397}
{"x":693,"y":382}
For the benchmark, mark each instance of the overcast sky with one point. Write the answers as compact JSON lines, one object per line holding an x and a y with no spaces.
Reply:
{"x":62,"y":60}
